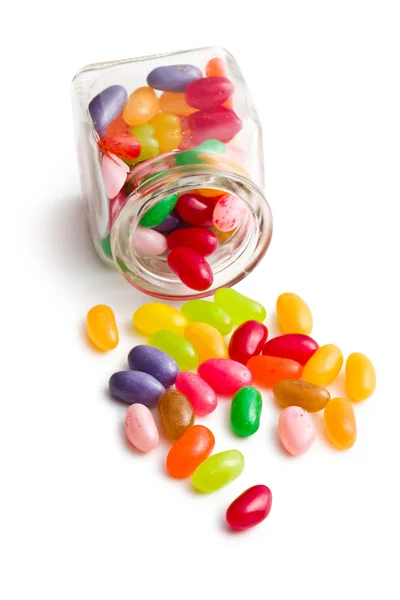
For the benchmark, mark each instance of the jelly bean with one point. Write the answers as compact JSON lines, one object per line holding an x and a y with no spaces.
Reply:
{"x":250,"y":508}
{"x":208,"y":92}
{"x":105,"y":245}
{"x":247,"y":341}
{"x":175,"y":103}
{"x":176,"y":346}
{"x":176,"y":414}
{"x":207,"y":340}
{"x":340,"y":423}
{"x":291,"y":392}
{"x":150,"y":147}
{"x":153,"y":316}
{"x":191,"y":157}
{"x":203,"y":241}
{"x":196,"y":210}
{"x":293,"y":314}
{"x":136,"y":387}
{"x":155,"y":362}
{"x":115,"y":206}
{"x":159,"y":212}
{"x":195,"y":445}
{"x":268,"y":370}
{"x":171,"y":222}
{"x":207,"y":312}
{"x":191,"y":268}
{"x":219,"y":123}
{"x":173,"y":78}
{"x":140,"y":428}
{"x":215,"y":68}
{"x":296,"y":346}
{"x":360,"y":377}
{"x":211,"y":193}
{"x":239,"y":307}
{"x":114,"y":174}
{"x":107,"y":105}
{"x":117,"y":127}
{"x":229,"y":213}
{"x":224,"y":375}
{"x":246,"y":411}
{"x":200,"y":395}
{"x":167,"y":131}
{"x":218,"y":470}
{"x":141,"y":106}
{"x":148,"y":242}
{"x":324,"y":365}
{"x":101,"y":327}
{"x":296,"y":430}
{"x":123,"y":146}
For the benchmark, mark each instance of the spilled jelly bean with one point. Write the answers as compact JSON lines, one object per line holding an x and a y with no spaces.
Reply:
{"x":360,"y":377}
{"x":208,"y":92}
{"x":250,"y":508}
{"x":239,"y":307}
{"x":229,"y":213}
{"x":203,"y":241}
{"x":268,"y":370}
{"x":247,"y":341}
{"x":296,"y":430}
{"x":200,"y":395}
{"x":309,"y":396}
{"x":101,"y":327}
{"x":176,"y":414}
{"x":173,"y":78}
{"x":224,"y":375}
{"x":191,"y":268}
{"x":246,"y":411}
{"x":155,"y":362}
{"x":135,"y":386}
{"x":340,"y":423}
{"x":167,"y":131}
{"x":159,"y":212}
{"x":218,"y":470}
{"x":324,"y":365}
{"x":207,"y":312}
{"x":195,"y":209}
{"x":195,"y":445}
{"x":148,"y":242}
{"x":182,"y":351}
{"x":293,"y":314}
{"x":207,"y":340}
{"x":297,"y":346}
{"x":218,"y":123}
{"x":114,"y":174}
{"x":141,"y":106}
{"x":152,"y":316}
{"x":106,"y":106}
{"x":140,"y":428}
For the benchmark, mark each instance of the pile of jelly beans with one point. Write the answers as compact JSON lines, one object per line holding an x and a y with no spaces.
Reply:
{"x":182,"y":112}
{"x":181,"y":341}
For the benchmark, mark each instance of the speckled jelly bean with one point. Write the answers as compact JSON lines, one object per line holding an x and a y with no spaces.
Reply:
{"x":246,"y":411}
{"x":155,"y":362}
{"x":140,"y":428}
{"x":360,"y":377}
{"x":173,"y":78}
{"x":291,"y":392}
{"x":247,"y":341}
{"x":152,"y":316}
{"x":191,"y":268}
{"x":159,"y":212}
{"x":135,"y":386}
{"x":195,"y":445}
{"x":141,"y":106}
{"x":124,"y":146}
{"x":324,"y":365}
{"x":181,"y":350}
{"x":340,"y":423}
{"x":224,"y":375}
{"x":150,"y":147}
{"x":296,"y":430}
{"x":207,"y":340}
{"x":107,"y":105}
{"x":195,"y":209}
{"x":218,"y":470}
{"x":219,"y":123}
{"x":268,"y":370}
{"x":148,"y":242}
{"x":297,"y":346}
{"x":202,"y":311}
{"x":101,"y":327}
{"x":239,"y":307}
{"x":176,"y":414}
{"x":200,"y":395}
{"x":114,"y":174}
{"x":250,"y":508}
{"x":208,"y":92}
{"x":229,"y":213}
{"x":175,"y":103}
{"x":167,"y":131}
{"x":293,"y":314}
{"x":203,"y":241}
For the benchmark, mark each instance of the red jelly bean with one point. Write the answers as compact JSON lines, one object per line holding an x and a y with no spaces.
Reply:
{"x":123,"y":146}
{"x":196,"y":210}
{"x":247,"y":341}
{"x":224,"y":375}
{"x":208,"y":92}
{"x":297,"y":346}
{"x":250,"y":508}
{"x":191,"y":268}
{"x":214,"y":124}
{"x":205,"y":242}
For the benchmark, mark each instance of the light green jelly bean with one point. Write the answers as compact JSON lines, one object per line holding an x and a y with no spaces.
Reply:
{"x":159,"y":212}
{"x":240,"y":308}
{"x":246,"y":411}
{"x":144,"y":134}
{"x":106,"y":245}
{"x":201,"y":311}
{"x":176,"y":346}
{"x":218,"y":470}
{"x":191,"y":157}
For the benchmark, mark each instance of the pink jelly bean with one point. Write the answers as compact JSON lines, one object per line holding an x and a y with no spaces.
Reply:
{"x":235,"y":154}
{"x":214,"y":124}
{"x":296,"y":430}
{"x":208,"y":92}
{"x":200,"y":395}
{"x":191,"y":268}
{"x":149,"y":242}
{"x":140,"y":428}
{"x":224,"y":375}
{"x":114,"y":174}
{"x":205,"y":242}
{"x":229,"y":213}
{"x":115,"y":206}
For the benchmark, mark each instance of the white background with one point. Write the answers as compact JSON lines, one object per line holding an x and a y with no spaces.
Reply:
{"x":82,"y":515}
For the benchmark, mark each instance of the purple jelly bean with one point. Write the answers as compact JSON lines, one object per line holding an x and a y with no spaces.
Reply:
{"x":136,"y":387}
{"x":155,"y":362}
{"x":106,"y":106}
{"x":174,"y":78}
{"x":171,"y":222}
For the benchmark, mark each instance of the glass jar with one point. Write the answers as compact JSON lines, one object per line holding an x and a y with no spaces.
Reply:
{"x":177,"y":135}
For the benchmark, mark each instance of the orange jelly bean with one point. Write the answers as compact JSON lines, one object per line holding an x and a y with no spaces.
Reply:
{"x":340,"y":423}
{"x":190,"y":451}
{"x":101,"y":327}
{"x":141,"y":106}
{"x":172,"y":102}
{"x":268,"y":370}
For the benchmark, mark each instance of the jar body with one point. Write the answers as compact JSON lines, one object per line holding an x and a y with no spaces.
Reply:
{"x":161,"y":127}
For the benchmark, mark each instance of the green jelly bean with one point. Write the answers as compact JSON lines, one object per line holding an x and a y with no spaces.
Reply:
{"x":240,"y":308}
{"x":106,"y":245}
{"x":246,"y":411}
{"x":191,"y":157}
{"x":176,"y":346}
{"x":159,"y":212}
{"x":218,"y":470}
{"x":144,"y":134}
{"x":201,"y":311}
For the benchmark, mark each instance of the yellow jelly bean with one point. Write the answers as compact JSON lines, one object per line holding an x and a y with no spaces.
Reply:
{"x":150,"y":147}
{"x":141,"y":106}
{"x":360,"y":377}
{"x":153,"y":316}
{"x":167,"y":131}
{"x":293,"y":314}
{"x":207,"y":340}
{"x":324,"y":365}
{"x":101,"y":327}
{"x":340,"y":423}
